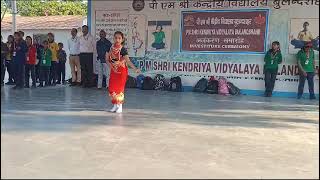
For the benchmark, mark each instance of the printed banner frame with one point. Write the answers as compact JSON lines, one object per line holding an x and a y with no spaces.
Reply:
{"x":296,"y":26}
{"x":265,"y":35}
{"x":118,"y":26}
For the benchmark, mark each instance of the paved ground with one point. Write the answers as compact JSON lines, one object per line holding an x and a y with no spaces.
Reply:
{"x":66,"y":133}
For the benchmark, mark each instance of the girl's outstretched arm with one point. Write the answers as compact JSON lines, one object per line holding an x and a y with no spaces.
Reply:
{"x":128,"y":61}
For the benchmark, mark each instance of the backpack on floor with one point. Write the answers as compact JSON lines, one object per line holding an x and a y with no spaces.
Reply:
{"x":223,"y":86}
{"x":131,"y":82}
{"x":175,"y":84}
{"x":159,"y":82}
{"x":167,"y":84}
{"x":148,"y":83}
{"x":201,"y":85}
{"x":233,"y":90}
{"x":213,"y":86}
{"x":139,"y":81}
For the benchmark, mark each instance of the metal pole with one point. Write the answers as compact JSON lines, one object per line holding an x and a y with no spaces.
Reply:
{"x":14,"y":12}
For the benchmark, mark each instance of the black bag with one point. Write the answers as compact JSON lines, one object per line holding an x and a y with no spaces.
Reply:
{"x":175,"y":84}
{"x":201,"y":85}
{"x":167,"y":84}
{"x":131,"y":82}
{"x":148,"y":83}
{"x":140,"y":80}
{"x":159,"y":82}
{"x":213,"y":86}
{"x":233,"y":90}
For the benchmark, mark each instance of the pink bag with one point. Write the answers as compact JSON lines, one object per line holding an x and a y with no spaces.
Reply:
{"x":223,"y":86}
{"x":212,"y":78}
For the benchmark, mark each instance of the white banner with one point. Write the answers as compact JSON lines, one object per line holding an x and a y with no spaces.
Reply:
{"x":111,"y":21}
{"x":244,"y":75}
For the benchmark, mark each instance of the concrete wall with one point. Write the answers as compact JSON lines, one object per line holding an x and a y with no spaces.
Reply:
{"x":253,"y":83}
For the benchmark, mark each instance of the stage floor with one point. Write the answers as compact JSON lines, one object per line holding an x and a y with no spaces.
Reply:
{"x":61,"y":132}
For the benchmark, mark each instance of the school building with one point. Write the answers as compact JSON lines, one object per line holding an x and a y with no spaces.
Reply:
{"x":195,"y":39}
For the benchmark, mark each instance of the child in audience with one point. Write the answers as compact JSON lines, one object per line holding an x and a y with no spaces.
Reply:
{"x":307,"y":69}
{"x":9,"y":63}
{"x":30,"y":63}
{"x":62,"y":57}
{"x":272,"y":59}
{"x":38,"y":44}
{"x":53,"y":46}
{"x":45,"y":64}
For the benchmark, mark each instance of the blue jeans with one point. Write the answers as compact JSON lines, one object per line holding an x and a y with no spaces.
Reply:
{"x":103,"y":70}
{"x":53,"y":72}
{"x":45,"y":75}
{"x":30,"y":68}
{"x":19,"y":74}
{"x":302,"y":79}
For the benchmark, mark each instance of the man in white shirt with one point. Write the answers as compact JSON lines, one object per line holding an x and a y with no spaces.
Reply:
{"x":74,"y":60}
{"x":86,"y":57}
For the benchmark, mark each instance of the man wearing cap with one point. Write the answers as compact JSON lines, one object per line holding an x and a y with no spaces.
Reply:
{"x":306,"y":64}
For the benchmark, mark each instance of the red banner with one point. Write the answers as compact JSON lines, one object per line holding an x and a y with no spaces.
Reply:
{"x":226,"y":31}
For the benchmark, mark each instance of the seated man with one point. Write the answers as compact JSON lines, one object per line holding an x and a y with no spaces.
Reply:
{"x":305,"y":36}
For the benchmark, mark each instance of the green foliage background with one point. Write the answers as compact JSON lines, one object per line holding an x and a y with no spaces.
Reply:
{"x":49,"y":7}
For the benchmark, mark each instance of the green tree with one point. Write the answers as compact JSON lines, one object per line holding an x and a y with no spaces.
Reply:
{"x":42,"y":8}
{"x":4,"y":9}
{"x":3,"y":6}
